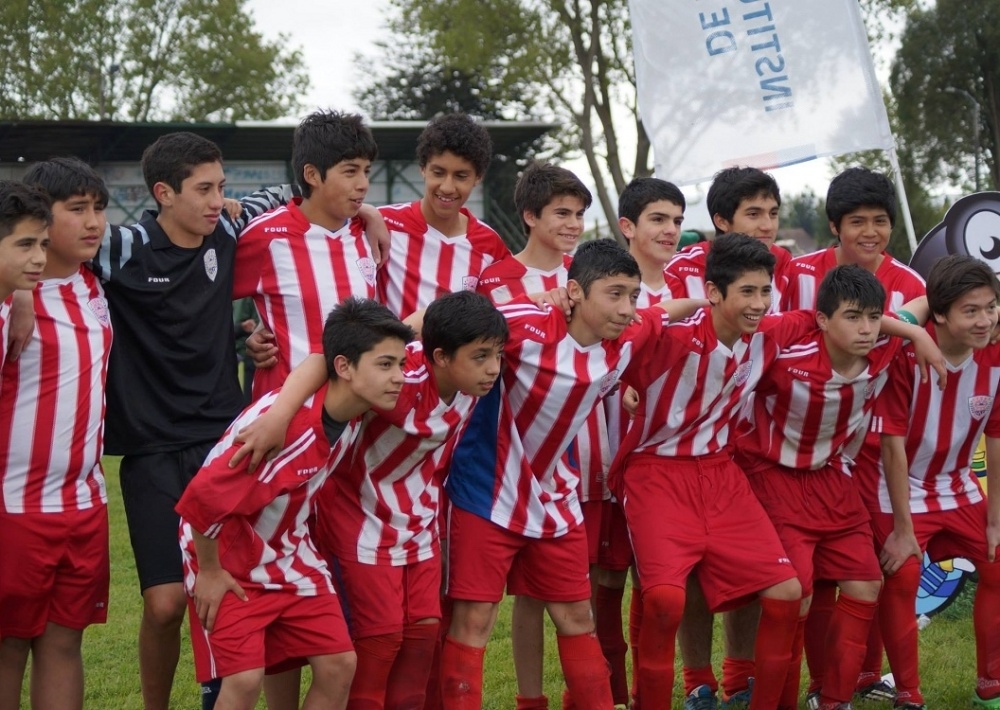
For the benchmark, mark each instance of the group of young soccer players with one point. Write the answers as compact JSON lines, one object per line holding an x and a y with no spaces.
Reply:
{"x":437,"y":422}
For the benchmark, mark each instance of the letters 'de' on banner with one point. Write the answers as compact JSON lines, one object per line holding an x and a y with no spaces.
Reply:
{"x":764,"y":83}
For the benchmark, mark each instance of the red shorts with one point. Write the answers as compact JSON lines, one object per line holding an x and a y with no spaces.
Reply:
{"x":273,"y":630}
{"x":821,"y":522}
{"x":944,"y":534}
{"x":54,"y":568}
{"x":700,"y":515}
{"x":483,"y":557}
{"x":380,"y":599}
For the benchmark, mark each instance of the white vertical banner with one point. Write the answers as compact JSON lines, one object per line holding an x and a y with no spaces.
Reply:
{"x":764,"y":83}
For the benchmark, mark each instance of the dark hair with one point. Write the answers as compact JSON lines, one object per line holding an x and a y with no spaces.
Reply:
{"x":737,"y":254}
{"x":357,"y":325}
{"x":540,"y":183}
{"x":601,"y":259}
{"x":859,"y":187}
{"x":19,"y":202}
{"x":459,"y":134}
{"x":849,"y":284}
{"x":172,"y":158}
{"x":955,"y":275}
{"x":63,"y":178}
{"x":460,"y":318}
{"x":643,"y":191}
{"x":325,"y":138}
{"x":732,"y":186}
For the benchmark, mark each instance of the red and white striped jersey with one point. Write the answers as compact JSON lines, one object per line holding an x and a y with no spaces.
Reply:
{"x":509,"y":278}
{"x":691,"y":386}
{"x":260,"y":519}
{"x":296,"y":272}
{"x":424,"y":264}
{"x":509,"y":466}
{"x":4,"y":328}
{"x":942,"y":429}
{"x":52,"y":402}
{"x":805,"y":273}
{"x":590,"y":454}
{"x":618,"y":420}
{"x":382,"y":506}
{"x":685,"y":273}
{"x":805,"y":415}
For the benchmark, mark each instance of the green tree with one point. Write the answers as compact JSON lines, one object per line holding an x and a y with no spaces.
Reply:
{"x":952,"y":44}
{"x":567,"y":61}
{"x":142,"y":60}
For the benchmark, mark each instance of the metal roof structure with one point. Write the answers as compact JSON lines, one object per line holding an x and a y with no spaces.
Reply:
{"x":104,"y":141}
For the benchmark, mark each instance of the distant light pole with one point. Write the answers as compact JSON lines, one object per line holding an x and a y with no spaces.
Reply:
{"x":975,"y":122}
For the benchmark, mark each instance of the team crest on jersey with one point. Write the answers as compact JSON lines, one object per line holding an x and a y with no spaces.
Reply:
{"x":742,"y":373}
{"x":367,"y":266}
{"x":469,"y":283}
{"x":211,"y":264}
{"x":980,"y":405}
{"x":99,"y":307}
{"x":609,"y":381}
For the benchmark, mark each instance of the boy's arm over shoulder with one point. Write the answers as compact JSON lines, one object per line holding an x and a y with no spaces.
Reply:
{"x":118,"y":245}
{"x":256,"y":204}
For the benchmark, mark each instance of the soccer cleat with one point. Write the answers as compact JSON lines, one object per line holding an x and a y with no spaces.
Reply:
{"x":740,"y":700}
{"x":992,"y":703}
{"x":701,"y":698}
{"x":879,"y":690}
{"x":812,"y":700}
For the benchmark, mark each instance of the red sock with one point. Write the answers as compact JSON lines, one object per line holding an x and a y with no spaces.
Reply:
{"x":376,"y":654}
{"x":736,"y":674}
{"x":693,"y":677}
{"x":985,"y":612}
{"x":899,"y":630}
{"x":585,"y":671}
{"x":539,"y":703}
{"x":845,"y":648}
{"x":773,"y":650}
{"x":871,"y":667}
{"x":817,"y":625}
{"x":634,"y":625}
{"x":662,"y":609}
{"x":461,"y":676}
{"x":432,"y":698}
{"x":408,"y":679}
{"x":790,"y":695}
{"x":609,"y":633}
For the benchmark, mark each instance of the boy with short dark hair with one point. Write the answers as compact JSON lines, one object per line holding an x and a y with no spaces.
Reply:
{"x":516,"y":520}
{"x":25,"y":215}
{"x":300,"y":260}
{"x":53,"y":507}
{"x":678,"y":444}
{"x":861,"y":208}
{"x":929,"y":499}
{"x":266,"y":600}
{"x":437,"y":245}
{"x":797,"y":445}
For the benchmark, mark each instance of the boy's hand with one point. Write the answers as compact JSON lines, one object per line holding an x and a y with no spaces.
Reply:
{"x":929,"y":356}
{"x":630,"y":401}
{"x":22,"y":323}
{"x":262,"y":439}
{"x":558,"y":298}
{"x":992,"y":540}
{"x":263,"y":351}
{"x":234,"y":208}
{"x":210,"y":586}
{"x":378,"y":233}
{"x":898,"y":548}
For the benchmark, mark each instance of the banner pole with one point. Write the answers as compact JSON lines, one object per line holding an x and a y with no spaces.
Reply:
{"x":903,"y":202}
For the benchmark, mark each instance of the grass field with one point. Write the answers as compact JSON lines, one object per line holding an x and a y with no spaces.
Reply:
{"x":112,"y":675}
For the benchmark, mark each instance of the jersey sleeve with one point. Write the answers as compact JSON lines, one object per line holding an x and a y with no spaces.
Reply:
{"x":251,"y":253}
{"x":787,"y":327}
{"x":675,"y":284}
{"x":256,"y":204}
{"x":892,"y":408}
{"x":117,"y":247}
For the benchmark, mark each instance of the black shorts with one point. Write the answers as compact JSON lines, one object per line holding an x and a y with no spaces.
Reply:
{"x":151,"y":486}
